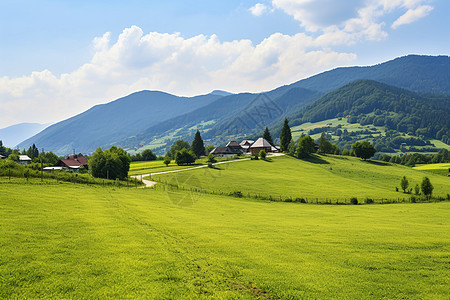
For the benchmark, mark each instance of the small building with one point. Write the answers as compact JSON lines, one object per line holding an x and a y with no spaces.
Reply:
{"x":73,"y":162}
{"x":2,"y":157}
{"x":52,"y":169}
{"x":245,"y":144}
{"x":231,"y":149}
{"x":24,"y":159}
{"x":261,"y":144}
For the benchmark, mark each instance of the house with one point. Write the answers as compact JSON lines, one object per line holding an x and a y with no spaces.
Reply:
{"x":261,"y":144}
{"x":73,"y":162}
{"x":24,"y":159}
{"x":2,"y":157}
{"x":231,"y":149}
{"x":245,"y":144}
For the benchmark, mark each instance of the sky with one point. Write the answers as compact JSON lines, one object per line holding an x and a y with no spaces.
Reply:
{"x":59,"y":58}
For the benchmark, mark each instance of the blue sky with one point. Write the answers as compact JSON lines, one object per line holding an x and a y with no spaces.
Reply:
{"x":58,"y":58}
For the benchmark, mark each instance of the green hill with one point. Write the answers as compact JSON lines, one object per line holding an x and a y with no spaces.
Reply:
{"x":336,"y":178}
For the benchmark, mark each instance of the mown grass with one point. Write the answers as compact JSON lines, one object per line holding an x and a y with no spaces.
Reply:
{"x":77,"y":241}
{"x":323,"y":177}
{"x":146,"y":167}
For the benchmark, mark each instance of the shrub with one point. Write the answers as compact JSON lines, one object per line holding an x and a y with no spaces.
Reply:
{"x":354,"y":200}
{"x":368,"y":201}
{"x":413,"y":199}
{"x":262,"y":154}
{"x":211,"y":158}
{"x":301,"y":200}
{"x":237,"y":194}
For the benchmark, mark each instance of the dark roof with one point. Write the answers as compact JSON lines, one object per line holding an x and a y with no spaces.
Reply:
{"x":246,"y":143}
{"x":226,"y":150}
{"x":233,"y":144}
{"x":74,"y":160}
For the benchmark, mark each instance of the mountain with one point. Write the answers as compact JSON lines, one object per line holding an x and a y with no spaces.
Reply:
{"x":379,"y":104}
{"x":13,"y":135}
{"x":107,"y":124}
{"x":220,"y":93}
{"x":154,"y":119}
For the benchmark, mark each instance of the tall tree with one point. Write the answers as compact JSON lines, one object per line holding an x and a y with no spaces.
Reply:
{"x":111,"y":164}
{"x":185,"y":157}
{"x":148,"y":155}
{"x":364,"y":149}
{"x":324,"y":145}
{"x":404,"y":183}
{"x":197,"y":145}
{"x":427,"y":187}
{"x":285,"y":136}
{"x":267,"y":136}
{"x":305,"y":146}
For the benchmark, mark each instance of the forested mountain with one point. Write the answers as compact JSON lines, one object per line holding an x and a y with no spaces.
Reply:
{"x":107,"y":124}
{"x":155,"y":119}
{"x":371,"y":102}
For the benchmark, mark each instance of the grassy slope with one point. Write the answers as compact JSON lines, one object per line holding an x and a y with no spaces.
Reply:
{"x":332,"y":177}
{"x":71,"y":241}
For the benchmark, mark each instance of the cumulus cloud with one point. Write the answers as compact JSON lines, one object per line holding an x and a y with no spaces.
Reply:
{"x":412,"y":15}
{"x":168,"y":62}
{"x":353,"y":20}
{"x":259,"y":9}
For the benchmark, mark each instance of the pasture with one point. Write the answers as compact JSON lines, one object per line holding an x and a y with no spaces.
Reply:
{"x":78,"y":241}
{"x":331,"y":177}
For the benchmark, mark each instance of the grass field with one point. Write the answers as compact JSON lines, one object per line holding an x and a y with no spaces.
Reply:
{"x":78,"y":241}
{"x":146,"y":167}
{"x":324,"y":177}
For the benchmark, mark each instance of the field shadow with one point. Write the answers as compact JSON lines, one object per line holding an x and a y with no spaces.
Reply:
{"x":377,"y":162}
{"x":316,"y":160}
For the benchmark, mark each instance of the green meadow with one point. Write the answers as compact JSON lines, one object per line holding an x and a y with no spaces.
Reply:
{"x":78,"y":241}
{"x":336,"y":178}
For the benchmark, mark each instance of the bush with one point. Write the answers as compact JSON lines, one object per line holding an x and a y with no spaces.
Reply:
{"x":184,"y":157}
{"x":262,"y":154}
{"x":368,"y":201}
{"x":211,"y":158}
{"x":354,"y":200}
{"x":237,"y":194}
{"x":301,"y":200}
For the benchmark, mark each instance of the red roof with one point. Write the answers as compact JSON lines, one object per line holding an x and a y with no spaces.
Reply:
{"x":74,"y":160}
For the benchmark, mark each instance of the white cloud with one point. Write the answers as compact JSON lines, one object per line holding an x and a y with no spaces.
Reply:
{"x":412,"y":15}
{"x":168,"y":62}
{"x":259,"y":9}
{"x":353,"y":20}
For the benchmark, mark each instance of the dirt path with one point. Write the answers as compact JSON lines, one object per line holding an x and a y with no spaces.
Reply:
{"x":149,"y":183}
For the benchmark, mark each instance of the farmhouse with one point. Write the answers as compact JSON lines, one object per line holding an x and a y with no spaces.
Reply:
{"x":231,"y":149}
{"x":73,"y":162}
{"x":245,"y":144}
{"x":24,"y":159}
{"x":261,"y":144}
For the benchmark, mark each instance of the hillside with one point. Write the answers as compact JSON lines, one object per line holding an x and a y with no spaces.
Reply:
{"x":11,"y":136}
{"x":106,"y":124}
{"x":136,"y":123}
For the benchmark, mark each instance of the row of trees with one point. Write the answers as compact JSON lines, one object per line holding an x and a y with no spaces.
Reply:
{"x":425,"y":186}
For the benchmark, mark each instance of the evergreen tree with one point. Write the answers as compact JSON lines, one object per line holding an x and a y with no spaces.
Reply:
{"x":305,"y":146}
{"x":427,"y":187}
{"x":267,"y":136}
{"x":197,"y":145}
{"x":2,"y":149}
{"x":285,"y":136}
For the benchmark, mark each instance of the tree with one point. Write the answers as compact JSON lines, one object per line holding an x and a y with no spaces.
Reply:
{"x":291,"y":148}
{"x":177,"y":146}
{"x":404,"y":183}
{"x":148,"y":155}
{"x":209,"y":148}
{"x":305,"y":146}
{"x":48,"y":158}
{"x":262,"y":154}
{"x":113,"y":163}
{"x":325,"y":146}
{"x":285,"y":136}
{"x":364,"y":150}
{"x":417,"y":189}
{"x":167,"y":160}
{"x":184,"y":157}
{"x":2,"y":149}
{"x":267,"y":136}
{"x":427,"y":187}
{"x":211,"y":158}
{"x":32,"y":152}
{"x":197,"y":145}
